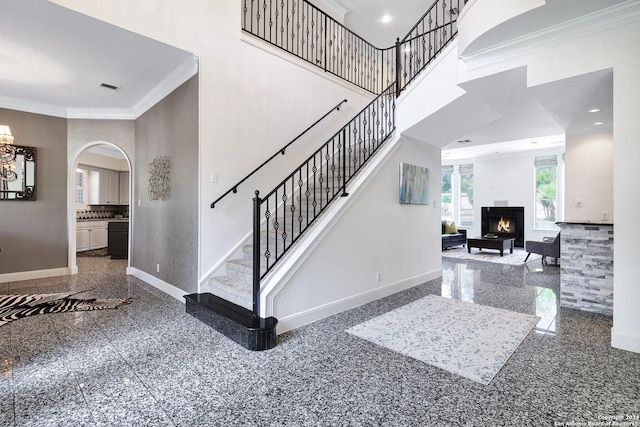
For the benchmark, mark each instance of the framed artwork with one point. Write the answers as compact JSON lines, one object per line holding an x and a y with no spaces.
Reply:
{"x":414,"y":184}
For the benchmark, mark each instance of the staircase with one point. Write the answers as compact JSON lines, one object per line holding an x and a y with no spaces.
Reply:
{"x":230,"y":303}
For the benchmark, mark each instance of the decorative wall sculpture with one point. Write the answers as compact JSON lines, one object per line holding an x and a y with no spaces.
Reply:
{"x":160,"y":178}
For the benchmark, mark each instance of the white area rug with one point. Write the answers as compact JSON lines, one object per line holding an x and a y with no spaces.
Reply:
{"x":491,"y":255}
{"x":467,"y":339}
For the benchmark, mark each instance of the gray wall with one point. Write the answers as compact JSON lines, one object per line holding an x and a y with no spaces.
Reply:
{"x":166,"y":231}
{"x":33,"y":235}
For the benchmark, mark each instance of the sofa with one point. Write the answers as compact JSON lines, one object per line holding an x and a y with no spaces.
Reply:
{"x":451,"y":236}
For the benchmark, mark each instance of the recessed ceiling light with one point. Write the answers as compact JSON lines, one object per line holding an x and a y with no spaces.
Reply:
{"x":598,"y":123}
{"x":386,"y":19}
{"x":594,"y":110}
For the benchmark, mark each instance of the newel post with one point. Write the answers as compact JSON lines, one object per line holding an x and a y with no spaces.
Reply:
{"x":256,"y":254}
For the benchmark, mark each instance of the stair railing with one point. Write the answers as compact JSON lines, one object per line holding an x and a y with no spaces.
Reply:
{"x":298,"y":27}
{"x":281,"y":151}
{"x":286,"y":212}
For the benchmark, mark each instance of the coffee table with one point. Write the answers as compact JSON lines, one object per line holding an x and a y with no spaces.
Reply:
{"x":499,"y":243}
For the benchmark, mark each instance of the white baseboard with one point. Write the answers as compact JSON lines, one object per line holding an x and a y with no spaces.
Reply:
{"x":37,"y":274}
{"x":165,"y":287}
{"x":311,"y":315}
{"x":625,"y":341}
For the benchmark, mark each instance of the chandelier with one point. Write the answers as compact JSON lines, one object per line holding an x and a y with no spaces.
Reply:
{"x":7,"y":155}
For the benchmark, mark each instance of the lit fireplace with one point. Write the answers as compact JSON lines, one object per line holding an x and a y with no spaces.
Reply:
{"x":503,"y":226}
{"x":504,"y":221}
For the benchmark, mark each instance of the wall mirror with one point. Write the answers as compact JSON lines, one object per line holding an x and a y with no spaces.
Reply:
{"x":17,"y":172}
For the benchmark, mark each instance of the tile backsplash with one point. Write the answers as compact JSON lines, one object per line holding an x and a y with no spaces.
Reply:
{"x":100,"y":212}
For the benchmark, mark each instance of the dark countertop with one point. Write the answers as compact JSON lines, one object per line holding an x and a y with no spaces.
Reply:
{"x":103,"y":219}
{"x":596,"y":224}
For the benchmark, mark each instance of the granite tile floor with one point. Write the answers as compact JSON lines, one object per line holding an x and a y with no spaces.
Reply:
{"x":151,"y":364}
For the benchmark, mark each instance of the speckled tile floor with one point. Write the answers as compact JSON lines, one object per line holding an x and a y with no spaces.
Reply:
{"x":149,"y":363}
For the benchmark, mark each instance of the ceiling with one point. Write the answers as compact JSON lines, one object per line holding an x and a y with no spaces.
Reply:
{"x":54,"y":61}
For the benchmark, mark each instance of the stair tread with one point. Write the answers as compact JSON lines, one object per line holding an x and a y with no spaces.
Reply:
{"x":233,"y":290}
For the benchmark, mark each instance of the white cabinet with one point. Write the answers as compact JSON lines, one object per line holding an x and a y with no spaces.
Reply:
{"x":124,"y":188}
{"x":91,"y":235}
{"x":109,"y":187}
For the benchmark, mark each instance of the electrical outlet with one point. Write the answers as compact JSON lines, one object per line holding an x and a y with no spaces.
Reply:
{"x":157,"y":268}
{"x":578,"y":203}
{"x":378,"y":276}
{"x":605,"y":216}
{"x":214,"y":177}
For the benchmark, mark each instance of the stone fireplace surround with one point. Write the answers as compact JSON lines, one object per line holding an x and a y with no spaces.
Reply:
{"x":515,"y":216}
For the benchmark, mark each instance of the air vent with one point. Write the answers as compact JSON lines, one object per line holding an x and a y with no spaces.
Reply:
{"x":108,"y":86}
{"x":464,"y":141}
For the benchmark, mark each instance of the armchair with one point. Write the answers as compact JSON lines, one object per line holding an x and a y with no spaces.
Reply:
{"x":549,"y":246}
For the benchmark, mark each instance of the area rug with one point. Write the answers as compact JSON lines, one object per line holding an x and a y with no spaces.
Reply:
{"x":464,"y":338}
{"x":14,"y":307}
{"x":489,"y":255}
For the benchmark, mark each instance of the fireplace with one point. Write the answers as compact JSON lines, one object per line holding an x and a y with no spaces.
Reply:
{"x":504,"y":221}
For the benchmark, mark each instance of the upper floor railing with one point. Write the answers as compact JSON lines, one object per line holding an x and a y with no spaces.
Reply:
{"x":305,"y":31}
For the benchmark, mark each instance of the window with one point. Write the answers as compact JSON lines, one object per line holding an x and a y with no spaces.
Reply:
{"x":466,"y":195}
{"x":81,"y":193}
{"x":446,"y":204}
{"x":546,"y":192}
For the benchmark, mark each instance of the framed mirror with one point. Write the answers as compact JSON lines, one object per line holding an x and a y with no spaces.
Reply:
{"x":17,"y":172}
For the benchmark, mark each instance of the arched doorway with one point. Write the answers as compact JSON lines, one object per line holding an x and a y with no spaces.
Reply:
{"x":99,"y":203}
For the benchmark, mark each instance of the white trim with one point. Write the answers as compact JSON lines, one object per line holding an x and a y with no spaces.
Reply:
{"x":165,"y":287}
{"x":300,"y":319}
{"x":278,"y":278}
{"x":36,"y":274}
{"x":584,"y":26}
{"x":625,"y":341}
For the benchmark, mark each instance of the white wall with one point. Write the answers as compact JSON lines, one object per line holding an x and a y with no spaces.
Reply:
{"x":581,"y":54}
{"x":509,"y":178}
{"x":589,"y":179}
{"x":251,"y":103}
{"x":376,"y":235}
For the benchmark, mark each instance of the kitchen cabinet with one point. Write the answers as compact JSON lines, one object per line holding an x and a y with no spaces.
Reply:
{"x":119,"y":239}
{"x":91,"y":235}
{"x":109,"y":187}
{"x":124,"y":188}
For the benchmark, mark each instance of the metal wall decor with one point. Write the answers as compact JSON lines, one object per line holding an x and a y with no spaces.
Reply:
{"x":160,"y":178}
{"x":17,"y":172}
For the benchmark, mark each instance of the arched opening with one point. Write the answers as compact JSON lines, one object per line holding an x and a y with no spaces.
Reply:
{"x":99,"y":203}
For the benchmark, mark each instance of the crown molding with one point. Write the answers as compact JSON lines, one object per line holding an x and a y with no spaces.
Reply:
{"x":32,"y":107}
{"x":596,"y":22}
{"x":181,"y":74}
